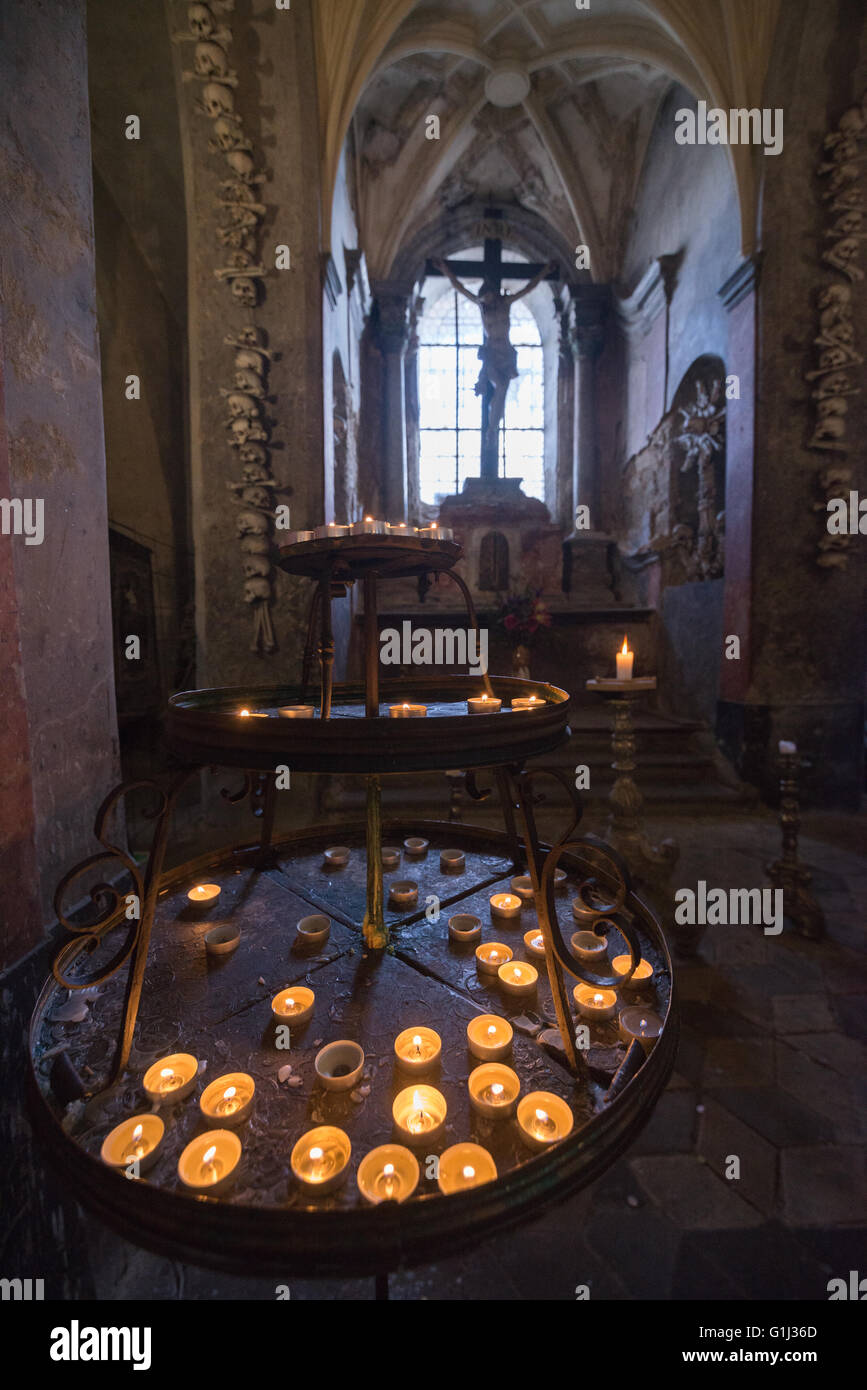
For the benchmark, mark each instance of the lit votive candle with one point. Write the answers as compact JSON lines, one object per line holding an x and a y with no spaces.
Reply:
{"x":136,"y":1140}
{"x":489,"y":1037}
{"x":643,"y":972}
{"x":171,"y":1079}
{"x":518,"y":979}
{"x":390,"y":856}
{"x":407,"y":711}
{"x":228,"y":1100}
{"x":494,"y":1090}
{"x":337,"y":857}
{"x":419,"y":1114}
{"x":641,"y":1025}
{"x":296,"y":537}
{"x":203,"y":896}
{"x":293,"y":1006}
{"x":506,"y":907}
{"x":490,"y":956}
{"x":388,"y":1174}
{"x":464,"y":928}
{"x":528,"y":702}
{"x":416,"y":845}
{"x":223,"y":940}
{"x":463,"y":1166}
{"x":320,"y":1159}
{"x":209,"y":1163}
{"x":624,"y":659}
{"x":452,"y":861}
{"x":403,"y":892}
{"x":483,"y":704}
{"x":368,"y":527}
{"x":588,"y":946}
{"x":593,"y":1003}
{"x":417,"y":1049}
{"x":543,"y":1119}
{"x":535,"y":943}
{"x":296,"y":711}
{"x":330,"y":530}
{"x":312,"y":932}
{"x":399,"y":528}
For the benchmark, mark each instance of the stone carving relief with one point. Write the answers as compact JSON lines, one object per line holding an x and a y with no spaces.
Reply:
{"x":240,"y":268}
{"x":702,"y":439}
{"x":833,"y":375}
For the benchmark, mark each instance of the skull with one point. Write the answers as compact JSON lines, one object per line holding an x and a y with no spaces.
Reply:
{"x":245,"y":291}
{"x":834,"y":383}
{"x":242,"y":218}
{"x":835,"y":478}
{"x":832,"y":427}
{"x":849,"y":222}
{"x":833,"y":405}
{"x":248,"y":381}
{"x":233,"y":191}
{"x":833,"y":357}
{"x":252,"y":523}
{"x":251,"y":336}
{"x":241,"y":404}
{"x":254,"y":454}
{"x":241,"y":162}
{"x":239,"y":237}
{"x":257,"y":565}
{"x":257,"y":590}
{"x":248,"y":361}
{"x":852,"y":122}
{"x":257,"y":497}
{"x":200,"y":20}
{"x":243,"y":429}
{"x":843,"y":174}
{"x":257,"y":472}
{"x":240,"y":260}
{"x":226,"y":133}
{"x":834,"y":294}
{"x":218,"y":101}
{"x":210,"y":60}
{"x":256,"y":545}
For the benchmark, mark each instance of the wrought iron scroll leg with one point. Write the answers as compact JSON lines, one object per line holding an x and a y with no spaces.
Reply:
{"x":555,"y":973}
{"x":474,"y":622}
{"x":269,"y":808}
{"x":326,"y":645}
{"x":508,"y":803}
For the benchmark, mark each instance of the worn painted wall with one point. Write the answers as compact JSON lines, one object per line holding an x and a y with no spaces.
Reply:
{"x":53,"y":421}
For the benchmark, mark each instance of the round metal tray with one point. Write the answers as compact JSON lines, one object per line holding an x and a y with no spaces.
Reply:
{"x":352,"y":1238}
{"x":346,"y":558}
{"x":204,"y":726}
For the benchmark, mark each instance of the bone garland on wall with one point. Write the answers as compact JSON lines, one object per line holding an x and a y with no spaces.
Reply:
{"x":241,"y":267}
{"x":831,"y":378}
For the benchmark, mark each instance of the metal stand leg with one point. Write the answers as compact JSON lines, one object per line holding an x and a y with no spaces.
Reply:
{"x":381,"y":1288}
{"x":788,"y":872}
{"x":374,"y":928}
{"x":326,"y":646}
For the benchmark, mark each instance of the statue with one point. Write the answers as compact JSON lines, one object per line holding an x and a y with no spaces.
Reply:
{"x":498,"y":357}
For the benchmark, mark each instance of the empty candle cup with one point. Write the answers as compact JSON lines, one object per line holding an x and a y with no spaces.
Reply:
{"x":203,"y":897}
{"x":595,"y":1004}
{"x":417,"y":1049}
{"x":464,"y":929}
{"x":320,"y":1159}
{"x":534,"y":942}
{"x":209,"y":1163}
{"x":452,"y":861}
{"x":171,"y":1079}
{"x":588,"y":946}
{"x":463,"y":1166}
{"x":223,"y":940}
{"x":390,"y":856}
{"x":489,"y":1037}
{"x":419,"y":1114}
{"x":403,"y":893}
{"x":483,"y":704}
{"x":543,"y":1119}
{"x":228,"y":1101}
{"x":337,"y":857}
{"x":643,"y":973}
{"x":296,"y":711}
{"x":494,"y":1090}
{"x":416,"y":845}
{"x":135,"y":1141}
{"x":339,"y":1065}
{"x":506,"y":907}
{"x":388,"y":1174}
{"x":523,"y":886}
{"x":518,"y":979}
{"x":640,"y":1025}
{"x":293,"y":1005}
{"x":312,"y":932}
{"x":490,"y":956}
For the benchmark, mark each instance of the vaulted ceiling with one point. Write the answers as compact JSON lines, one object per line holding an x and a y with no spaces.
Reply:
{"x":538,"y":103}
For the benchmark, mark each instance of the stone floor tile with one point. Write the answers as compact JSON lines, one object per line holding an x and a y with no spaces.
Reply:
{"x":690,"y":1055}
{"x":672,"y":1126}
{"x":696,"y":1276}
{"x":691,"y":1194}
{"x":822,"y":1089}
{"x":640,"y":1245}
{"x":802,"y":1013}
{"x":852,"y":1012}
{"x":714,"y":1021}
{"x":737,"y":946}
{"x":768,"y":1262}
{"x":721,"y":1134}
{"x":738,"y":1062}
{"x":777,"y":1116}
{"x":824,"y":1186}
{"x":845,"y":1055}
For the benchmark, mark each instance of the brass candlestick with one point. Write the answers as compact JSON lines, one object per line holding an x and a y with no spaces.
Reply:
{"x":788,"y":872}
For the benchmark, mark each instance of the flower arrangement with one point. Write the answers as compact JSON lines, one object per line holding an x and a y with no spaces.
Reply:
{"x":523,"y":617}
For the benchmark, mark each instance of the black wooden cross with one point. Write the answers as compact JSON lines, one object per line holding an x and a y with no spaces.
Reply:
{"x":492,"y":270}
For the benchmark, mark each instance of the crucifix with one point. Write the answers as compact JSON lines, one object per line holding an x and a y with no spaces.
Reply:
{"x":498,"y":357}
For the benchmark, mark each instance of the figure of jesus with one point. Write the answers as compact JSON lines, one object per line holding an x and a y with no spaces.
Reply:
{"x":498,"y":357}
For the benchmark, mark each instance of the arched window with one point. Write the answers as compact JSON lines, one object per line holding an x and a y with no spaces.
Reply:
{"x":450,"y":413}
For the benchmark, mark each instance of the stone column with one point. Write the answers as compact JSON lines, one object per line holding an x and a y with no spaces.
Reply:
{"x":391,"y":334}
{"x":566,"y":478}
{"x":589,"y":310}
{"x":411,"y":404}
